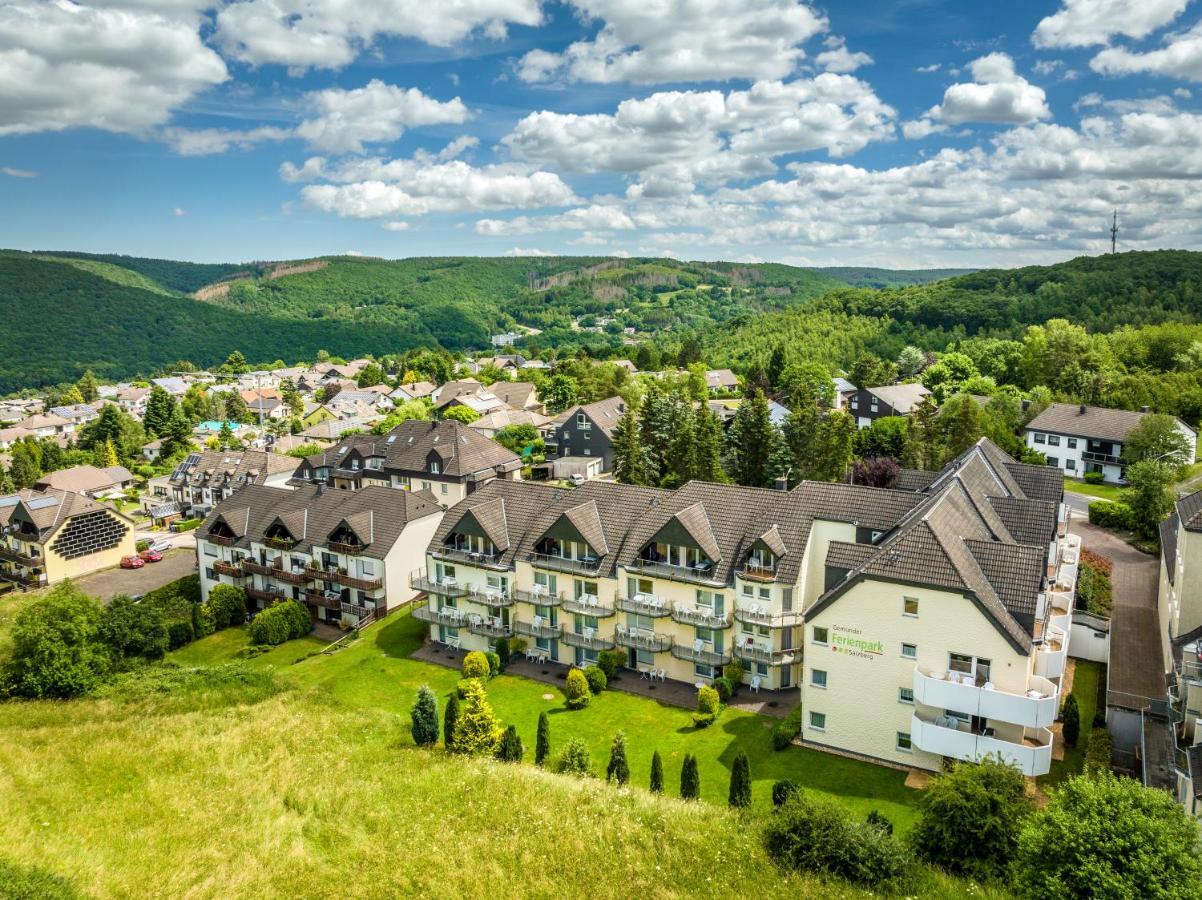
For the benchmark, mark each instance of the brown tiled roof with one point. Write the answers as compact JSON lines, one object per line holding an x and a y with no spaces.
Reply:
{"x":844,"y":555}
{"x":490,"y":516}
{"x":311,"y":514}
{"x":1016,"y":573}
{"x":48,"y":509}
{"x":1029,"y":521}
{"x":1038,"y":482}
{"x":586,"y":519}
{"x":914,"y":479}
{"x":514,"y":393}
{"x":235,"y":467}
{"x":1189,"y":509}
{"x":902,"y":397}
{"x":773,"y":541}
{"x":605,"y":414}
{"x":85,"y":479}
{"x":1087,"y":421}
{"x":694,"y":520}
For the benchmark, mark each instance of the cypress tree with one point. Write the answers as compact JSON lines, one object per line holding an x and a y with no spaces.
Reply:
{"x":618,"y":769}
{"x":510,"y":749}
{"x":450,"y":717}
{"x":542,"y":743}
{"x":740,"y":782}
{"x":657,"y":773}
{"x":424,"y":717}
{"x":1072,"y":721}
{"x":707,"y":443}
{"x":690,"y":781}
{"x":631,"y":459}
{"x":752,"y":444}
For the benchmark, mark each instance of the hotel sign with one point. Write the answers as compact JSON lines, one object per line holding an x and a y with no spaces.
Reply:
{"x":849,"y":640}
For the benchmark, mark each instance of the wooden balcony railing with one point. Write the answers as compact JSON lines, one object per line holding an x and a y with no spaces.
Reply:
{"x":265,"y":596}
{"x":354,"y":581}
{"x":221,"y":540}
{"x":233,"y":570}
{"x":21,"y":559}
{"x":348,"y":549}
{"x":321,"y":598}
{"x":278,"y":572}
{"x":755,"y":572}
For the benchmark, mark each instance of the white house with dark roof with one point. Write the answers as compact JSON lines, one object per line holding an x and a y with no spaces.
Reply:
{"x":1078,"y":439}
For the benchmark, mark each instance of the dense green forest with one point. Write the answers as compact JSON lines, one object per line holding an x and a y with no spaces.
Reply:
{"x":870,"y":277}
{"x":184,"y":277}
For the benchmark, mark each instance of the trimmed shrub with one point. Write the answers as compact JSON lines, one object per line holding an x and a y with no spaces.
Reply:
{"x":781,"y":792}
{"x":227,"y":606}
{"x":740,"y":782}
{"x":141,"y":545}
{"x":707,"y":707}
{"x":475,"y":665}
{"x":510,"y":748}
{"x":724,"y":687}
{"x":133,"y":631}
{"x":179,"y":634}
{"x":618,"y":769}
{"x":542,"y":742}
{"x":494,"y":664}
{"x":690,"y":779}
{"x":820,"y":837}
{"x":450,"y":718}
{"x":734,"y":671}
{"x":657,"y":773}
{"x":1093,"y":478}
{"x":1071,"y":727}
{"x":477,"y":731}
{"x":1111,"y":514}
{"x":202,"y":622}
{"x":281,"y":622}
{"x":597,"y":682}
{"x":1099,"y":753}
{"x":575,"y":759}
{"x":424,"y":717}
{"x":786,"y":729}
{"x":610,"y":661}
{"x":576,"y":690}
{"x":503,"y":653}
{"x":880,"y":821}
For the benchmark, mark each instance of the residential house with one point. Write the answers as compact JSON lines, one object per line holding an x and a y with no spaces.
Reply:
{"x":78,"y":414}
{"x":88,"y":480}
{"x":447,"y":458}
{"x":804,"y":587}
{"x":9,"y":436}
{"x":490,"y":424}
{"x":152,"y":450}
{"x":329,"y":430}
{"x":469,"y":393}
{"x":132,"y":400}
{"x":843,"y":391}
{"x":48,"y":535}
{"x":518,"y":395}
{"x":872,"y":403}
{"x":47,"y":425}
{"x":587,"y":431}
{"x":722,"y":380}
{"x":204,"y":479}
{"x":413,"y":391}
{"x":173,"y":385}
{"x":346,"y":556}
{"x":358,"y":400}
{"x":504,"y":340}
{"x":1078,"y":439}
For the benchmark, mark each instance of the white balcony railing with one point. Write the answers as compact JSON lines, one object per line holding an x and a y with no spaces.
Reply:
{"x":1033,"y":755}
{"x":1035,"y":709}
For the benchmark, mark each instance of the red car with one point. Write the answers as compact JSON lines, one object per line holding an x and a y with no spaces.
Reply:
{"x":132,"y":562}
{"x":150,"y":556}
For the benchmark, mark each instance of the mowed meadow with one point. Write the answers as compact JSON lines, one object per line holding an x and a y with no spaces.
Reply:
{"x":293,"y":773}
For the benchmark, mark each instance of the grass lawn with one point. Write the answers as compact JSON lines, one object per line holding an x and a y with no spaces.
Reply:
{"x":1086,"y":677}
{"x":1100,"y":491}
{"x":375,"y":673}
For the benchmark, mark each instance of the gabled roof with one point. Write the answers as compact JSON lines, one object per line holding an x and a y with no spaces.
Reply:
{"x":1189,"y":509}
{"x":587,"y":521}
{"x":518,"y":394}
{"x":1085,"y":421}
{"x":695,"y":521}
{"x":294,"y":521}
{"x":605,"y":414}
{"x":1029,"y":521}
{"x":361,"y":523}
{"x":773,"y":541}
{"x":48,"y":510}
{"x":490,"y":516}
{"x":902,"y":397}
{"x":236,"y":520}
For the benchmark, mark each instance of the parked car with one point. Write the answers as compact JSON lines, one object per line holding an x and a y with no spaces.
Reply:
{"x":150,"y":555}
{"x":132,"y":562}
{"x":576,"y":478}
{"x":160,"y":546}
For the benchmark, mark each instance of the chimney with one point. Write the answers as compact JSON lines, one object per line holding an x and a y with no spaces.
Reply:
{"x":782,"y":483}
{"x":1082,"y":410}
{"x":321,"y":488}
{"x":1144,"y":409}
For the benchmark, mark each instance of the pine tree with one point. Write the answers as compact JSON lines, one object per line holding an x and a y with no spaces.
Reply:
{"x":680,"y":462}
{"x":835,"y":438}
{"x":740,"y":782}
{"x":752,"y":444}
{"x":424,"y":716}
{"x":924,"y":449}
{"x":776,"y":366}
{"x":159,"y":409}
{"x":631,"y":462}
{"x":707,"y":444}
{"x":477,"y":731}
{"x":88,"y":389}
{"x":178,"y":434}
{"x":510,"y":748}
{"x":1071,"y":714}
{"x":450,"y":719}
{"x":618,"y":769}
{"x":6,"y":482}
{"x":802,"y":432}
{"x":690,"y":781}
{"x":962,"y":423}
{"x":542,"y":743}
{"x":657,"y":773}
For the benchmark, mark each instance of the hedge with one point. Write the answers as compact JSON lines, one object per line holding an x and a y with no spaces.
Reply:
{"x":786,"y":729}
{"x":280,"y":623}
{"x":1099,"y":753}
{"x":1110,"y":514}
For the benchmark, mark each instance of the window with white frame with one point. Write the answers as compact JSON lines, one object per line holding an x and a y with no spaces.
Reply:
{"x":910,"y":606}
{"x":817,"y":721}
{"x":904,"y":743}
{"x":909,"y":651}
{"x":905,"y":695}
{"x":820,"y":635}
{"x":818,"y":678}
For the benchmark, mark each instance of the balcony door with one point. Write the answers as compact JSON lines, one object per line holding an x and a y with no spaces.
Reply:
{"x":975,"y":667}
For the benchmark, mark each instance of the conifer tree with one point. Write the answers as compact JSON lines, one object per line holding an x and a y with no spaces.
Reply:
{"x":424,"y":716}
{"x":834,"y":456}
{"x":477,"y":731}
{"x":924,"y":449}
{"x":752,"y":444}
{"x":542,"y":743}
{"x":618,"y":769}
{"x":657,"y":773}
{"x":690,"y":780}
{"x":159,"y":408}
{"x":106,"y":455}
{"x":450,"y":719}
{"x":740,"y":782}
{"x":631,"y":462}
{"x":510,"y":748}
{"x":88,"y":389}
{"x":1071,"y":715}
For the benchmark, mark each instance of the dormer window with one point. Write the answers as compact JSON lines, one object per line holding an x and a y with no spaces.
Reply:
{"x":435,"y":467}
{"x":583,"y":422}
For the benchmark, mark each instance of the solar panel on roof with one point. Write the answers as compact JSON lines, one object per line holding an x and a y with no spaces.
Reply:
{"x":42,"y":502}
{"x":11,"y":500}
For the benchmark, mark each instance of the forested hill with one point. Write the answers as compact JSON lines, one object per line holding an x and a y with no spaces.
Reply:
{"x":869,"y":277}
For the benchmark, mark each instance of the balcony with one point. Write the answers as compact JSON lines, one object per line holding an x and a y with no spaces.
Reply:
{"x":1106,"y":459}
{"x":538,"y":596}
{"x":359,"y":612}
{"x":956,"y":740}
{"x":1036,"y":708}
{"x":493,"y":598}
{"x":589,"y":565}
{"x":279,"y":543}
{"x":700,"y":616}
{"x":21,"y":559}
{"x":641,"y":639}
{"x":756,"y":572}
{"x":538,"y":629}
{"x":753,"y":652}
{"x":220,"y":540}
{"x":492,"y":628}
{"x":588,"y":640}
{"x":278,"y":572}
{"x":445,"y":615}
{"x":327,"y":599}
{"x":644,"y":605}
{"x":347,"y":580}
{"x":700,"y":652}
{"x":588,"y":605}
{"x":231,"y":569}
{"x":470,"y":558}
{"x":265,"y":597}
{"x":702,"y":573}
{"x":753,"y":615}
{"x":344,"y":548}
{"x":1051,"y":657}
{"x":444,"y":587}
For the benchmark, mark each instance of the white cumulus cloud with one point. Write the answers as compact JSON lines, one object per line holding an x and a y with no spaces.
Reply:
{"x":374,"y":113}
{"x":1085,"y":23}
{"x":996,"y":94}
{"x":1180,"y":57}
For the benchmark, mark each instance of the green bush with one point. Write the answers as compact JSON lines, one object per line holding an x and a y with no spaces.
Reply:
{"x":1099,"y":753}
{"x":820,"y":837}
{"x":576,"y":690}
{"x":610,"y":661}
{"x":133,"y":631}
{"x":503,"y":653}
{"x":227,"y":606}
{"x":704,"y":720}
{"x":477,"y":730}
{"x":1094,"y":478}
{"x":494,"y":664}
{"x":618,"y":770}
{"x":724,"y":687}
{"x":657,"y":773}
{"x":56,"y":651}
{"x":786,"y":729}
{"x":1111,"y":514}
{"x":1071,"y":727}
{"x":782,"y":790}
{"x":175,"y":599}
{"x":475,"y":665}
{"x":424,"y":717}
{"x":510,"y":749}
{"x":202,"y":620}
{"x":186,"y":525}
{"x":708,"y":700}
{"x":141,"y":545}
{"x":734,"y":671}
{"x":740,"y":782}
{"x":880,"y":821}
{"x":450,"y":718}
{"x":269,"y":627}
{"x":179,"y":634}
{"x":597,"y":682}
{"x":542,"y":741}
{"x":1095,"y":591}
{"x":575,"y":759}
{"x":690,"y":778}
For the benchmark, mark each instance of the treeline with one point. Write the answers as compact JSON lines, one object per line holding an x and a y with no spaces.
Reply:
{"x":184,"y":277}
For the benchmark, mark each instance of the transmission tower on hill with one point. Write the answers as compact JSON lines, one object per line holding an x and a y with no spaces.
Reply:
{"x":1114,"y":230}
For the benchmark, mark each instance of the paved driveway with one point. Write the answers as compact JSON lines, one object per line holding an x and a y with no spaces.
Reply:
{"x":110,"y":582}
{"x":1136,"y":664}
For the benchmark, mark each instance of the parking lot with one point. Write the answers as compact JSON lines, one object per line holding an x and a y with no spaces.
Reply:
{"x":174,"y":564}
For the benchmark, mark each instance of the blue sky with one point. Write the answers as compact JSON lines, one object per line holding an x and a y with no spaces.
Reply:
{"x":904,"y":134}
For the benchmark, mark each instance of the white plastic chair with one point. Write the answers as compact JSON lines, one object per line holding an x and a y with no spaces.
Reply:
{"x":755,"y":683}
{"x":698,"y":645}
